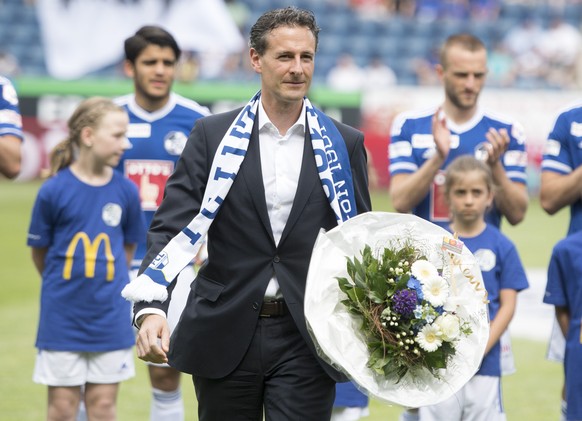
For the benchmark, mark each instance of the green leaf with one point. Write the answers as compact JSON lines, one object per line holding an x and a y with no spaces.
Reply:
{"x":436,"y":359}
{"x":356,"y":294}
{"x":375,"y":297}
{"x":344,"y":284}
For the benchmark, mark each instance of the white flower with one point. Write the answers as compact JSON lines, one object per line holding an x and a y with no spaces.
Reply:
{"x":454,"y":302}
{"x":429,"y":338}
{"x":435,"y":291}
{"x":423,"y":270}
{"x":449,"y":326}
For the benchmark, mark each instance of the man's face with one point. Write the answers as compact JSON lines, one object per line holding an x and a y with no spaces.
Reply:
{"x":153,"y":73}
{"x":463,"y":76}
{"x":286,"y":67}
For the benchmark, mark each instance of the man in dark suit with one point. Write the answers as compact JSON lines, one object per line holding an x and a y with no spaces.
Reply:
{"x":243,"y":334}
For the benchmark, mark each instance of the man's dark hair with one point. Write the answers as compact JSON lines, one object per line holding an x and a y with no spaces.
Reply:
{"x":288,"y":16}
{"x":149,"y":35}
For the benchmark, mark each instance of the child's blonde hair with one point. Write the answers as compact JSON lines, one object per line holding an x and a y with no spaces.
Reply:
{"x":464,"y":164}
{"x":89,"y":113}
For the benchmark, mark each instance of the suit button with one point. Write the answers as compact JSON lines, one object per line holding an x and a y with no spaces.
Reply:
{"x":276,"y":259}
{"x":256,"y":306}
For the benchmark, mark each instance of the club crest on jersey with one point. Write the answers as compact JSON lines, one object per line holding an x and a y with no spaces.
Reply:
{"x":111,"y":214}
{"x":174,"y":142}
{"x":486,"y":258}
{"x":160,"y":261}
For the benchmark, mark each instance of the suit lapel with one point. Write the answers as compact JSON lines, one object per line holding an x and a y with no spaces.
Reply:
{"x":253,"y":177}
{"x":307,"y":179}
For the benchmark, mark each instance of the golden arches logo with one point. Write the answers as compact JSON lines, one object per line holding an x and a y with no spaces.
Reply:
{"x":91,"y":250}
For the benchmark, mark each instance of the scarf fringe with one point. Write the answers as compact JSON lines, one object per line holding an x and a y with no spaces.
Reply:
{"x":143,"y":288}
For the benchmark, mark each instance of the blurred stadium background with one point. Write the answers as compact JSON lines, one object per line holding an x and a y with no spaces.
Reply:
{"x":57,"y":51}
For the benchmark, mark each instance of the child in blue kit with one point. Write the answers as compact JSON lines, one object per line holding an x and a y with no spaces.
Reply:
{"x":469,"y":192}
{"x":85,"y":225}
{"x":564,"y":291}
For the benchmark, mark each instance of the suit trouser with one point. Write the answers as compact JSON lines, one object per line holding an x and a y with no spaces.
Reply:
{"x":278,"y":372}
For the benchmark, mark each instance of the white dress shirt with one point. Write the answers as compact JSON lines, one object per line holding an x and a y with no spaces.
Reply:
{"x":281,"y":157}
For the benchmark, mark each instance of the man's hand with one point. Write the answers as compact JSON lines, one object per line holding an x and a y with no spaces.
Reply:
{"x":153,"y":339}
{"x":498,"y":144}
{"x":441,"y":134}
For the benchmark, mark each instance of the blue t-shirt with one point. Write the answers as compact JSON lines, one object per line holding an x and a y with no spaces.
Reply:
{"x":10,"y":118}
{"x":564,"y":289}
{"x":563,"y":153}
{"x":85,"y":228}
{"x":348,"y":395}
{"x":157,"y":140}
{"x":501,"y":269}
{"x":412,"y":144}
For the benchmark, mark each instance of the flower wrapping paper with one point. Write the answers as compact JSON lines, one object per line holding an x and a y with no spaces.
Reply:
{"x":337,"y":334}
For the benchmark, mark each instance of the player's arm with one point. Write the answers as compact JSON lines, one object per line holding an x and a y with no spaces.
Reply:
{"x":129,"y":249}
{"x":408,"y":190}
{"x":510,"y":196}
{"x":38,"y":256}
{"x":559,"y":190}
{"x":563,"y":318}
{"x":10,"y":155}
{"x":508,"y":301}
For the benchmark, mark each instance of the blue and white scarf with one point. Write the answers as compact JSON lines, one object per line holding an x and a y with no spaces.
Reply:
{"x":333,"y":165}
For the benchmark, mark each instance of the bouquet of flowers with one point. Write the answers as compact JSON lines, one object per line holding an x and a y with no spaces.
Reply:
{"x":406,"y":318}
{"x":400,"y":311}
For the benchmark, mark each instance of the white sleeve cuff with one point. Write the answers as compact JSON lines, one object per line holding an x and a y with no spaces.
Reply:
{"x":148,"y":310}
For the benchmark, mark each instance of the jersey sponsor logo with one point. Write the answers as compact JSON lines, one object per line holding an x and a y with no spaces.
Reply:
{"x":439,"y":208}
{"x":486,"y":258}
{"x":515,"y":159}
{"x":399,"y":149}
{"x":422,"y":141}
{"x":111,"y":214}
{"x":576,"y":129}
{"x":174,"y":142}
{"x":151,"y":177}
{"x":552,"y":147}
{"x":91,"y":248}
{"x":426,"y":141}
{"x":139,"y":130}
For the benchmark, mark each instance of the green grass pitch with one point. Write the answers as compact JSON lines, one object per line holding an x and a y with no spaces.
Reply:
{"x":531,"y":394}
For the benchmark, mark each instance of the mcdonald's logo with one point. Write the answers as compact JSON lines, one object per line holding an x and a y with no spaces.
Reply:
{"x":91,"y":250}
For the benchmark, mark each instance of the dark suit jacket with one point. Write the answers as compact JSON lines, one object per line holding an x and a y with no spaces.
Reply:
{"x":222,"y":310}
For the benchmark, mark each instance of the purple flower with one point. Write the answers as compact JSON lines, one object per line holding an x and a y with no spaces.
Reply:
{"x":404,"y":302}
